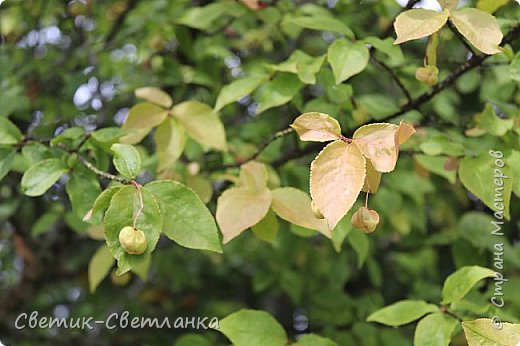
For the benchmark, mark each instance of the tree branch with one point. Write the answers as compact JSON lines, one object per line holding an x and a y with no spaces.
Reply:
{"x":475,"y":61}
{"x":101,"y":173}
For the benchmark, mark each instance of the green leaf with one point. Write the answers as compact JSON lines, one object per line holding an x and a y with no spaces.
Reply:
{"x":480,"y":28}
{"x":170,"y":140}
{"x":436,"y":165}
{"x":347,"y":59}
{"x":201,"y":123}
{"x":202,"y":18}
{"x":6,"y":159}
{"x":514,"y":68}
{"x":126,"y":160}
{"x":294,"y":206}
{"x":41,"y":176}
{"x":9,"y":133}
{"x":279,"y":91}
{"x":154,"y":95}
{"x":323,"y":23}
{"x":83,"y":189}
{"x":302,"y":64}
{"x":435,"y":330}
{"x":186,"y":220}
{"x":418,"y":23}
{"x":121,"y":214}
{"x":317,"y":127}
{"x":459,"y":283}
{"x":101,"y":204}
{"x":253,"y":328}
{"x":378,"y":106}
{"x":514,"y":162}
{"x":192,"y":340}
{"x":341,"y":231}
{"x":387,"y":47}
{"x":46,"y":221}
{"x":99,"y":266}
{"x":484,"y":332}
{"x":239,"y":208}
{"x":108,"y":134}
{"x":359,"y":242}
{"x":141,"y":119}
{"x":491,"y":6}
{"x":492,"y":124}
{"x":238,"y":89}
{"x":314,"y":340}
{"x":402,"y":312}
{"x":478,"y":176}
{"x":267,"y":228}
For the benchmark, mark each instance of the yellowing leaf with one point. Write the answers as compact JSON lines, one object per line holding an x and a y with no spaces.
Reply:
{"x":201,"y":123}
{"x":253,"y":176}
{"x":337,"y":176}
{"x":317,"y":127}
{"x":480,"y":28}
{"x":484,"y":332}
{"x":294,"y":206}
{"x":170,"y":140}
{"x":239,"y":208}
{"x":141,"y":119}
{"x":380,"y":143}
{"x":154,"y":95}
{"x":372,"y":180}
{"x":417,"y":23}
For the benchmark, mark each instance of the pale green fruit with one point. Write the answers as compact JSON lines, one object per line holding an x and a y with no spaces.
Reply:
{"x":428,"y":75}
{"x":365,"y":219}
{"x":133,"y":241}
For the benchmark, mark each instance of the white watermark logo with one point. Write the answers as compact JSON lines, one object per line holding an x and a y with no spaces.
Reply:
{"x":115,"y":320}
{"x":498,"y":248}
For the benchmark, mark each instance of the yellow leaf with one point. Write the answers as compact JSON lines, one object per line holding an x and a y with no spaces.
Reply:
{"x":372,"y":180}
{"x":337,"y":176}
{"x":417,"y":23}
{"x":239,"y":208}
{"x":141,"y":119}
{"x":253,"y":176}
{"x":170,"y":140}
{"x":154,"y":95}
{"x":480,"y":28}
{"x":317,"y":127}
{"x":201,"y":123}
{"x":294,"y":206}
{"x":380,"y":143}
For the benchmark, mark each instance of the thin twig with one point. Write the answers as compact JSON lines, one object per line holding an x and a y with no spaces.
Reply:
{"x":101,"y":173}
{"x":394,"y":77}
{"x":238,"y":163}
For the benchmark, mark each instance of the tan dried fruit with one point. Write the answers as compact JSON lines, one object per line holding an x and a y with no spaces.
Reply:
{"x":365,"y":219}
{"x":428,"y":74}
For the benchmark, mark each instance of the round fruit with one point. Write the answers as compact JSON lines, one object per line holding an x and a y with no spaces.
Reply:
{"x":428,"y":74}
{"x":132,"y":240}
{"x":365,"y":219}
